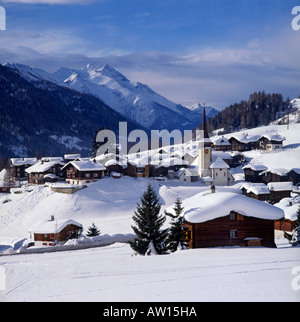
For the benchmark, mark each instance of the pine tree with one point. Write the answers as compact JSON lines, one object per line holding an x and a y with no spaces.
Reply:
{"x":272,"y":200}
{"x":93,"y":231}
{"x":176,"y":233}
{"x":150,"y":238}
{"x":295,"y":240}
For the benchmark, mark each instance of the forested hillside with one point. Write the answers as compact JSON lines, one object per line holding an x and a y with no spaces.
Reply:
{"x":260,"y":109}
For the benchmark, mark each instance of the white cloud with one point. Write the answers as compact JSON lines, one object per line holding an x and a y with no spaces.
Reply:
{"x":220,"y":76}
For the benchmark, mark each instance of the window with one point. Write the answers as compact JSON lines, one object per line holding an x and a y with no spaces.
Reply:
{"x":52,"y":236}
{"x":87,"y":175}
{"x":232,"y":215}
{"x":233,"y":233}
{"x":95,"y":175}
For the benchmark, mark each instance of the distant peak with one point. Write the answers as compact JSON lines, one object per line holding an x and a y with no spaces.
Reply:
{"x":105,"y":70}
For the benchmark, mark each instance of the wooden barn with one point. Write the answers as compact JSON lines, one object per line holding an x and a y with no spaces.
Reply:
{"x":229,"y":219}
{"x":53,"y":231}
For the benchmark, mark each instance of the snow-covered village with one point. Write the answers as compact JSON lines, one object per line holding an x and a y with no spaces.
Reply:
{"x":111,"y":192}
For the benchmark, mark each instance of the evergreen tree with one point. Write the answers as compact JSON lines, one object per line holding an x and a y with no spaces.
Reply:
{"x":295,"y":240}
{"x":271,"y":200}
{"x":95,"y":145}
{"x":93,"y":231}
{"x":176,"y":233}
{"x":150,"y":238}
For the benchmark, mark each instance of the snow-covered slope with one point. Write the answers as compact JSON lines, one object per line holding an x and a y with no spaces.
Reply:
{"x":136,"y":101}
{"x":198,"y":108}
{"x":33,"y":74}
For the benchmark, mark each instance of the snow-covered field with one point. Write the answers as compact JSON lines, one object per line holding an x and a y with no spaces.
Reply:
{"x":111,"y":273}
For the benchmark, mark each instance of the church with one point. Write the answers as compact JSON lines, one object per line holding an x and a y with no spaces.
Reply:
{"x":211,"y":171}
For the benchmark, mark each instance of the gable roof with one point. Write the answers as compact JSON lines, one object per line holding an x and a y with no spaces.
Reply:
{"x":281,"y":186}
{"x":42,"y":166}
{"x":219,"y":163}
{"x":53,"y":226}
{"x":86,"y":165}
{"x":203,"y":207}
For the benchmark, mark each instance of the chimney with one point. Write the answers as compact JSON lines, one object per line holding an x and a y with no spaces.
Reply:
{"x":212,"y":188}
{"x":52,"y":218}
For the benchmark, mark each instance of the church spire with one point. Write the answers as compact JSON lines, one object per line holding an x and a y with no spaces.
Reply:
{"x":204,"y":125}
{"x":206,"y":140}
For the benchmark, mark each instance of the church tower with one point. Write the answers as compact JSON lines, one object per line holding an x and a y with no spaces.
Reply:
{"x":204,"y":153}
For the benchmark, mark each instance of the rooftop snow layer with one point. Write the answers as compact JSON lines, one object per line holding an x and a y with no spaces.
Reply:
{"x":201,"y":208}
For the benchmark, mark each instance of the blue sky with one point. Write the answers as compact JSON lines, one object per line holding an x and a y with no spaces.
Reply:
{"x":188,"y":50}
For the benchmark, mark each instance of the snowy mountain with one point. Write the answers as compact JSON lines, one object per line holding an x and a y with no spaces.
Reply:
{"x":135,"y":101}
{"x":198,"y":108}
{"x":39,"y":116}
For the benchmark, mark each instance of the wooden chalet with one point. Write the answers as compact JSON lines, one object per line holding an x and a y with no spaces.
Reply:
{"x":252,"y":172}
{"x":280,"y":190}
{"x":114,"y":166}
{"x":19,"y":165}
{"x":274,"y":175}
{"x":294,"y":175}
{"x":243,"y":142}
{"x":222,"y":144}
{"x":228,"y":219}
{"x":270,"y":141}
{"x":82,"y":171}
{"x":161,"y":167}
{"x":258,"y":191}
{"x":46,"y":170}
{"x":52,"y":232}
{"x":289,"y":222}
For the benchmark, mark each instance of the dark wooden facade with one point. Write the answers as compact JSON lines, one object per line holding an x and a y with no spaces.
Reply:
{"x":253,"y":175}
{"x":261,"y":196}
{"x":238,"y":146}
{"x":18,"y":171}
{"x":50,"y":239}
{"x":72,"y":173}
{"x":39,"y":177}
{"x":269,"y":176}
{"x":285,"y":225}
{"x":294,"y":175}
{"x":231,"y":230}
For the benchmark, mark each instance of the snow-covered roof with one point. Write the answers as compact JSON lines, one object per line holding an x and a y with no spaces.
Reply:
{"x":281,"y":186}
{"x":50,"y":159}
{"x":42,"y":166}
{"x":52,"y":226}
{"x":273,"y":137}
{"x":245,"y":138}
{"x":168,"y":162}
{"x":221,"y":141}
{"x":72,"y":156}
{"x":255,"y":167}
{"x":221,"y":154}
{"x":278,"y":171}
{"x":23,"y":161}
{"x":290,"y":211}
{"x":203,"y":207}
{"x":219,"y":163}
{"x":256,"y":188}
{"x":87,"y":165}
{"x":184,"y":171}
{"x":113,"y":162}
